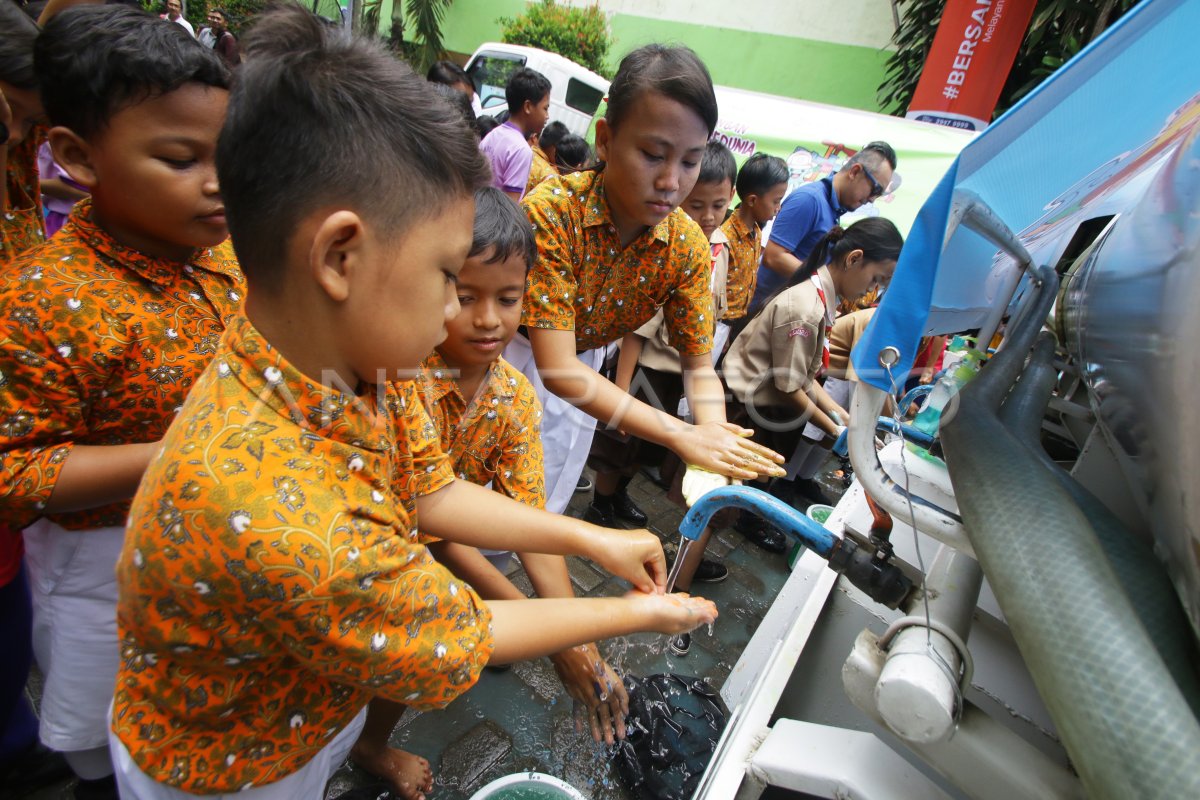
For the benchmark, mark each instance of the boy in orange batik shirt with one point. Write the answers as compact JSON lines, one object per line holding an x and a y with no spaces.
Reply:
{"x":105,"y":329}
{"x":272,"y":580}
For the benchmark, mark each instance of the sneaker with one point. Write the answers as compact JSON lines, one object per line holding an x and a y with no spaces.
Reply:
{"x":710,"y":572}
{"x":585,"y":484}
{"x":602,"y":516}
{"x":624,"y":507}
{"x":679,"y":645}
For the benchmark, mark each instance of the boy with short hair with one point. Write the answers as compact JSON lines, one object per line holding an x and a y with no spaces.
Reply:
{"x":487,"y":417}
{"x":761,"y":184}
{"x":507,"y":146}
{"x":105,"y":329}
{"x":272,"y":580}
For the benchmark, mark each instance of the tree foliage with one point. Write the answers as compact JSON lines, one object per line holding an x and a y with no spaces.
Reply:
{"x":580,"y":34}
{"x":1059,"y":29}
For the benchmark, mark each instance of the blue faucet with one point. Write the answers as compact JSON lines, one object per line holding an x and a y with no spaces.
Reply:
{"x":868,"y":568}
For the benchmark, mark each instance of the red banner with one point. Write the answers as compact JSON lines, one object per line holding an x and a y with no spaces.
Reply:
{"x":972,"y":53}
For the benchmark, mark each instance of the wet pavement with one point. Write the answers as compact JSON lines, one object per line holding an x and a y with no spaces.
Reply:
{"x":521,"y":719}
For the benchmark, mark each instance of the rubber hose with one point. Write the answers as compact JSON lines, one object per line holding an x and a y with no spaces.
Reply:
{"x":1139,"y":571}
{"x":1124,"y":722}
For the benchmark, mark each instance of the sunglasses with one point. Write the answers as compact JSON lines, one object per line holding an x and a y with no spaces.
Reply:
{"x":876,"y":189}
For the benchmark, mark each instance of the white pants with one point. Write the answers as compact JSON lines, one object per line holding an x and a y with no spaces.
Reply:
{"x":566,"y":431}
{"x":306,"y":783}
{"x":72,"y":579}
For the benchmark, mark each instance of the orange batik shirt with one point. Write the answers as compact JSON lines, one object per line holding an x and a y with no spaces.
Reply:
{"x":745,"y":249}
{"x":494,"y":439}
{"x":271,"y":581}
{"x":585,"y":282}
{"x":21,"y":224}
{"x":100,"y":344}
{"x":539,"y":169}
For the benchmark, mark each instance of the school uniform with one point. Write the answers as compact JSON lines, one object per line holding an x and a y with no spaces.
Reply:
{"x":745,"y":250}
{"x":22,"y":225}
{"x":101,"y":345}
{"x":658,"y":380}
{"x":494,"y":438}
{"x":781,"y":351}
{"x":539,"y":169}
{"x":272,"y":582}
{"x":584,"y":281}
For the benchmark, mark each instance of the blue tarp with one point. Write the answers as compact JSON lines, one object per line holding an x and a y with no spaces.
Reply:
{"x":1030,"y":166}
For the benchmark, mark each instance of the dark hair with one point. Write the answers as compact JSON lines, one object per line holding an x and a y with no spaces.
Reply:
{"x":525,"y":84}
{"x":877,"y":237}
{"x":572,"y":153}
{"x":459,"y":102}
{"x":16,"y":46}
{"x":759,"y":174}
{"x":552,"y":134}
{"x":717,"y":165}
{"x":485,"y":124}
{"x":501,"y":227}
{"x":676,"y":72}
{"x":447,"y":73}
{"x":320,"y":117}
{"x":873,"y":155}
{"x":92,"y":61}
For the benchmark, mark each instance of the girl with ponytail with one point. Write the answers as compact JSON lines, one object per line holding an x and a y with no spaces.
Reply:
{"x":772,"y":366}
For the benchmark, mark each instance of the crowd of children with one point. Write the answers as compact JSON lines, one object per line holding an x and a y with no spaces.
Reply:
{"x":274,"y":415}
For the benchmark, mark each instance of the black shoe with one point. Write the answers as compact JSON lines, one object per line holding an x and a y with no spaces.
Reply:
{"x":710,"y":572}
{"x":585,"y":484}
{"x":624,"y":508}
{"x":811,"y":492}
{"x":768,"y":537}
{"x":600,"y":515}
{"x":98,"y":789}
{"x":679,"y":645}
{"x":34,"y":768}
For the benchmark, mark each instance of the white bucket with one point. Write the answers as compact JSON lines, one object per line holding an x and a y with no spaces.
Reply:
{"x":538,"y":786}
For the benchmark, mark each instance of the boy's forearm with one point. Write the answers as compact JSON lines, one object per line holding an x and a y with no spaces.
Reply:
{"x":548,"y":574}
{"x":467,"y":514}
{"x":535,"y":628}
{"x":93,"y":476}
{"x":704,"y":390}
{"x":471,"y":566}
{"x":631,"y":351}
{"x":60,"y":190}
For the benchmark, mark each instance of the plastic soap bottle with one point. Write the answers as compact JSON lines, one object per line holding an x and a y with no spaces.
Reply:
{"x":951,"y":382}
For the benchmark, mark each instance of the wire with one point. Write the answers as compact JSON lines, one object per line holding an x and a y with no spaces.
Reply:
{"x":956,"y":680}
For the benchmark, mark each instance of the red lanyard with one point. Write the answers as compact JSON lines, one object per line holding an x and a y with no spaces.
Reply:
{"x":816,"y":279}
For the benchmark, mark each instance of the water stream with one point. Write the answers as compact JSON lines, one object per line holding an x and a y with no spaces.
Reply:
{"x":685,"y":544}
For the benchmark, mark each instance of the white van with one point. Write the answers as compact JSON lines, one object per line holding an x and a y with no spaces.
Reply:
{"x":575,"y":91}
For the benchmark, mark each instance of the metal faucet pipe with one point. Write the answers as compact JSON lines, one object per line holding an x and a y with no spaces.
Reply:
{"x":879,"y":579}
{"x":1127,"y":727}
{"x":968,"y":209}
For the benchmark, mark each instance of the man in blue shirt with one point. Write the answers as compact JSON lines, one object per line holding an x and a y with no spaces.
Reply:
{"x":812,"y":210}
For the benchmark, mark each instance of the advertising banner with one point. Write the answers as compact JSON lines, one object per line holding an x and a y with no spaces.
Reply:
{"x":971,"y":56}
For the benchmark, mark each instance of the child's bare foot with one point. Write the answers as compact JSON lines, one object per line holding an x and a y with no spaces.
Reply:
{"x":409,"y":774}
{"x":676,"y":613}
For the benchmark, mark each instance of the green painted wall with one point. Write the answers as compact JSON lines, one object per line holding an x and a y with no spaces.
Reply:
{"x":823,"y":72}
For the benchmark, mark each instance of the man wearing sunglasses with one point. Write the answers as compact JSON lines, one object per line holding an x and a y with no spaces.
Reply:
{"x":810,"y":211}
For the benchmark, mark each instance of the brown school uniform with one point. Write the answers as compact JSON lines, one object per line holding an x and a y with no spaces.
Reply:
{"x":781,"y":351}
